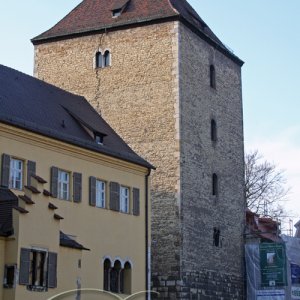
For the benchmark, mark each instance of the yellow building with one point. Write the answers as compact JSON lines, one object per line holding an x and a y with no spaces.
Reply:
{"x":74,"y":207}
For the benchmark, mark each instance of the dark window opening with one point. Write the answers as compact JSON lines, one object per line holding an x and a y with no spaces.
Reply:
{"x":117,"y":12}
{"x":214,"y":185}
{"x":99,"y":139}
{"x":212,"y":76}
{"x":102,"y":60}
{"x":106,"y":58}
{"x":213,"y":130}
{"x":127,"y":279}
{"x":116,"y":278}
{"x":106,"y":277}
{"x":38,"y":269}
{"x":99,"y":60}
{"x":216,"y":237}
{"x":9,"y":276}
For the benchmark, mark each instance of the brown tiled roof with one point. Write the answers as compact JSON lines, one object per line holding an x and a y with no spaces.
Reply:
{"x":96,"y":15}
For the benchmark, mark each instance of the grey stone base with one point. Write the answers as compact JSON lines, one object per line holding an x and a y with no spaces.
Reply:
{"x":199,"y":285}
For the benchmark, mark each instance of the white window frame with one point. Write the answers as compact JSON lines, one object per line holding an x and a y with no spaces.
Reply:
{"x":63,"y":186}
{"x":124,"y":199}
{"x":16,"y":174}
{"x":100,"y":193}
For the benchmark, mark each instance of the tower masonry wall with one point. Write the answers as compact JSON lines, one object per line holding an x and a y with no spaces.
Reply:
{"x":137,"y":96}
{"x":157,"y":96}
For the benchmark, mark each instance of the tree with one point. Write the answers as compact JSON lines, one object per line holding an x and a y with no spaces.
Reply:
{"x":265,"y":186}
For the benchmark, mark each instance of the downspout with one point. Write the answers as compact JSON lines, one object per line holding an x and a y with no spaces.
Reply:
{"x":147,"y":233}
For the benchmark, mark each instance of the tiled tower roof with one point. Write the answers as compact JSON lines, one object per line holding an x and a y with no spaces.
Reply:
{"x":91,"y":16}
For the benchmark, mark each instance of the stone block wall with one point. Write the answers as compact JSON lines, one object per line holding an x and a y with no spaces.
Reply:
{"x":201,"y":157}
{"x":137,"y":96}
{"x":156,"y":95}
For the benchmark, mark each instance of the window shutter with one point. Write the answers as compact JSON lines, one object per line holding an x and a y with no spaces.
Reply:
{"x":114,"y":203}
{"x":136,"y":201}
{"x":77,"y":187}
{"x":31,"y":169}
{"x":24,"y":266}
{"x":54,"y":181}
{"x":5,"y":170}
{"x":92,"y":191}
{"x":52,"y":270}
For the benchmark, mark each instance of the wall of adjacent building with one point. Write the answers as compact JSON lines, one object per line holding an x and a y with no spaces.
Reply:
{"x":2,"y":263}
{"x":105,"y":232}
{"x":138,"y":97}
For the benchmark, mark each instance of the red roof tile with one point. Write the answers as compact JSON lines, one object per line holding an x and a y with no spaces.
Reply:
{"x":96,"y":15}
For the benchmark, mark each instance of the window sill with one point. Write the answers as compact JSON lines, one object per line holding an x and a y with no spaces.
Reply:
{"x":34,"y":288}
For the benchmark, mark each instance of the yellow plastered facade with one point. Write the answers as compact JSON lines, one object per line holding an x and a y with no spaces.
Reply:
{"x":108,"y":234}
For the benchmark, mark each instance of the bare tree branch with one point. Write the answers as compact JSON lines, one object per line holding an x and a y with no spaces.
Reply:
{"x":265,"y":186}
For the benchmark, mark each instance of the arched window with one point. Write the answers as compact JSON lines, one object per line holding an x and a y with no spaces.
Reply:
{"x":99,"y":60}
{"x":115,"y":277}
{"x":106,"y":275}
{"x":215,"y":185}
{"x":106,"y":58}
{"x":127,"y":278}
{"x":212,"y":72}
{"x":213,"y":130}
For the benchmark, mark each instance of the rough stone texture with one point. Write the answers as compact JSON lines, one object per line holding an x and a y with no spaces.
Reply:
{"x":201,"y":157}
{"x":157,"y":96}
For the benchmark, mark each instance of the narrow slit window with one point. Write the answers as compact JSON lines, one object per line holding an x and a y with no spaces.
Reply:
{"x":213,"y":130}
{"x":99,"y":60}
{"x":212,"y":76}
{"x":106,"y":58}
{"x":215,"y":185}
{"x":216,"y":237}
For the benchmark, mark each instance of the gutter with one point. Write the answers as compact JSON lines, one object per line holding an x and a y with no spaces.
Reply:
{"x":147,"y":252}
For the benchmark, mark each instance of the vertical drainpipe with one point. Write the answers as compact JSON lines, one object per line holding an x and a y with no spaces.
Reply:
{"x":147,"y":233}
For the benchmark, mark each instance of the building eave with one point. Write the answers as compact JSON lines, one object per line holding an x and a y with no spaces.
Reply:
{"x":137,"y":23}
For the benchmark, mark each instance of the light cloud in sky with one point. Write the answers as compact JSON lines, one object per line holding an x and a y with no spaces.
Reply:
{"x":283,"y":149}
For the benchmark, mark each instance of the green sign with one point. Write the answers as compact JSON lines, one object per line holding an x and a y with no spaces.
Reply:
{"x":272,"y":264}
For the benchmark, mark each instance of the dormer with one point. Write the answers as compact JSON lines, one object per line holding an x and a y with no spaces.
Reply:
{"x":118,"y":7}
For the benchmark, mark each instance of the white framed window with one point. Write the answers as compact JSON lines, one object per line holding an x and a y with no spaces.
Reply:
{"x":102,"y":60}
{"x":63,"y":185}
{"x":16,"y":174}
{"x":100,"y":193}
{"x":124,"y":199}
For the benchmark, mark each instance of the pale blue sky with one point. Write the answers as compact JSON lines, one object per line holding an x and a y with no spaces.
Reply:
{"x":263,"y":33}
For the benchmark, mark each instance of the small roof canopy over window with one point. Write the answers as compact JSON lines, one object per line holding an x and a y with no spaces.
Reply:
{"x":118,"y":7}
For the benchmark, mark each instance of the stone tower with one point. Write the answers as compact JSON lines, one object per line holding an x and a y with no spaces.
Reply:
{"x":172,"y":90}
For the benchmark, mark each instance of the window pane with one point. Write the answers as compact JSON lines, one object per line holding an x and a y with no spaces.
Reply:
{"x":16,"y":174}
{"x":100,"y":193}
{"x":63,"y":185}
